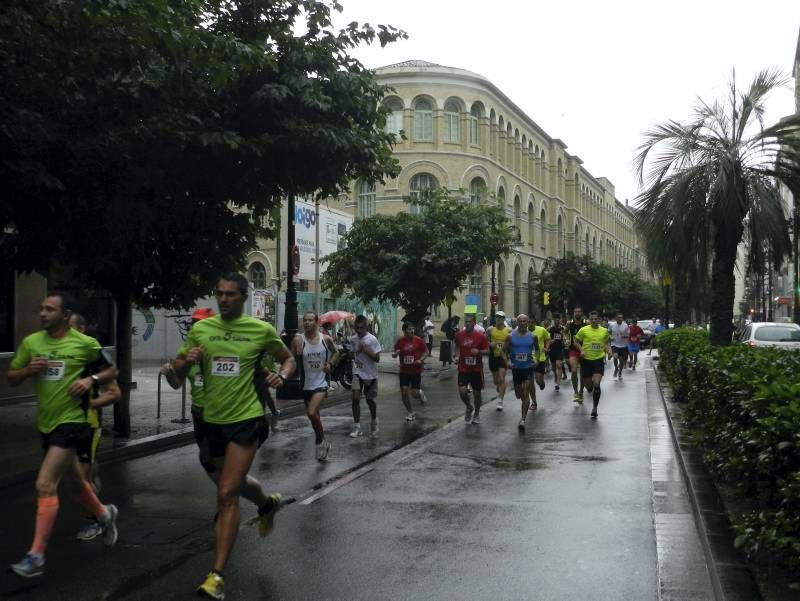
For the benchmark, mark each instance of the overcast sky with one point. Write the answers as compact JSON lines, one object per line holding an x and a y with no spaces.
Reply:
{"x":595,"y":73}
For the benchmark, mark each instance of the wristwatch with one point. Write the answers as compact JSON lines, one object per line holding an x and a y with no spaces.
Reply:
{"x":95,"y":378}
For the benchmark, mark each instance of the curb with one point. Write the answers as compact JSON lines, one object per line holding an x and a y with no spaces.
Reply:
{"x":730,"y":577}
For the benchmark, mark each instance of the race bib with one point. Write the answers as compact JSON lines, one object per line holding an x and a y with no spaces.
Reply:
{"x":53,"y":371}
{"x":596,"y":347}
{"x":470,"y":361}
{"x":498,"y":346}
{"x":408,"y":360}
{"x":359,"y":365}
{"x":225,"y":367}
{"x":556,"y":336}
{"x":314,"y":365}
{"x":198,"y":381}
{"x":521,"y":356}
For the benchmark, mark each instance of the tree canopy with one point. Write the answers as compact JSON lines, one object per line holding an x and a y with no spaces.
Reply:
{"x":416,"y":260}
{"x":145,"y":146}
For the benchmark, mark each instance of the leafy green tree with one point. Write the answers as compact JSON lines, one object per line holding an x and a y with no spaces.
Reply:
{"x":712,"y":179}
{"x":416,"y":260}
{"x":145,"y":146}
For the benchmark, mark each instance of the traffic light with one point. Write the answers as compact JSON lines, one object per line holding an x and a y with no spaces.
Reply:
{"x":546,"y":298}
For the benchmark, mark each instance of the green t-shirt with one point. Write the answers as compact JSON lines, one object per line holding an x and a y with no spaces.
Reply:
{"x":231,"y":351}
{"x":542,"y":336}
{"x":196,"y":385}
{"x":66,"y":359}
{"x":593,"y":341}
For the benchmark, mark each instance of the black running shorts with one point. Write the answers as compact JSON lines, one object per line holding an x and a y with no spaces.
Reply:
{"x":244,"y":433}
{"x":70,"y":436}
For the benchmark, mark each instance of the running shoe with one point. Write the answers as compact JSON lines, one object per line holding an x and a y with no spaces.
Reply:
{"x":557,"y":388}
{"x":32,"y":565}
{"x":213,"y":587}
{"x":521,"y":425}
{"x":411,"y":416}
{"x":500,"y":405}
{"x":620,"y":376}
{"x":276,"y":413}
{"x":266,"y":517}
{"x":323,"y":449}
{"x":375,"y":427}
{"x":564,"y":376}
{"x":90,"y":531}
{"x":468,"y":415}
{"x":594,"y":411}
{"x":534,"y":405}
{"x":476,"y":418}
{"x":422,"y":398}
{"x":110,"y":532}
{"x":356,"y":431}
{"x":576,"y":398}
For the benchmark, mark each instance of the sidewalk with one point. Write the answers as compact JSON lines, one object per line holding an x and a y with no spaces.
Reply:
{"x":154,"y":427}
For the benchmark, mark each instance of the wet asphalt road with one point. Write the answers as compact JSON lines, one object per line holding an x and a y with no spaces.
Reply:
{"x":435,"y":509}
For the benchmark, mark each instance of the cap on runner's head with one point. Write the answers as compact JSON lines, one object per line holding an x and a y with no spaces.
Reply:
{"x":202,"y":313}
{"x":499,"y":314}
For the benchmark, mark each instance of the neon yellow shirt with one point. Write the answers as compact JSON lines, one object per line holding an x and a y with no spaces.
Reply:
{"x":231,"y":351}
{"x":593,"y":341}
{"x":196,"y":385}
{"x":542,"y":336}
{"x":497,"y":338}
{"x":66,"y":359}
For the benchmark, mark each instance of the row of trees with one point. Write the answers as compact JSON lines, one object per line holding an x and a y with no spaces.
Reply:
{"x":146,"y":146}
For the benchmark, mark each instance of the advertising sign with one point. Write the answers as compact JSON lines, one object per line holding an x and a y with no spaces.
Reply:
{"x":332,"y":226}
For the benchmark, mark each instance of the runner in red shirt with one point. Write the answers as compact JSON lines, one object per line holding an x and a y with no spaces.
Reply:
{"x":470,"y":346}
{"x":634,"y":343}
{"x":412,"y":351}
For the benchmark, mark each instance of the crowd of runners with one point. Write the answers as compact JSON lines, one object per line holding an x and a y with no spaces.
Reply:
{"x":232,"y":361}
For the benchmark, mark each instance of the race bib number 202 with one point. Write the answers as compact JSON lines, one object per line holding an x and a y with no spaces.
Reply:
{"x":225,"y":367}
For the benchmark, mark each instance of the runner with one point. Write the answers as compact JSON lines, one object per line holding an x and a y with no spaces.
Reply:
{"x":428,"y":329}
{"x":593,"y":343}
{"x":574,"y":354}
{"x":498,"y":334}
{"x":620,"y":334}
{"x":520,"y":351}
{"x":412,"y":352}
{"x":470,"y":345}
{"x":316,"y":354}
{"x":228,"y":348}
{"x":634,"y":343}
{"x":366,"y":351}
{"x":97,"y":398}
{"x":56,"y":357}
{"x":543,"y":338}
{"x":556,"y":351}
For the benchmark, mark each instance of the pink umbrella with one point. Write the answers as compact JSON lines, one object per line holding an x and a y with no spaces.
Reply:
{"x":333,"y":316}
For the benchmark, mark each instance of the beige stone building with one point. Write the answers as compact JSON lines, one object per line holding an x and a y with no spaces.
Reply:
{"x":465,"y":134}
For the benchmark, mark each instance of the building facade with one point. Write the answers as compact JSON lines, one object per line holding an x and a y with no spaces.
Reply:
{"x":463,"y":134}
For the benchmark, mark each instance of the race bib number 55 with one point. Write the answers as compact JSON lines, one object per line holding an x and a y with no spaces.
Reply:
{"x":225,"y":367}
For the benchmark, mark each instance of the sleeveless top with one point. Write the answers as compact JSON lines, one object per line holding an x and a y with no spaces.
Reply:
{"x":314,"y":356}
{"x":521,"y":351}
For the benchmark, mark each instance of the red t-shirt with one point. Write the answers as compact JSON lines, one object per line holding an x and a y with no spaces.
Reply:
{"x":465,"y":342}
{"x":410,"y":350}
{"x":635,"y":334}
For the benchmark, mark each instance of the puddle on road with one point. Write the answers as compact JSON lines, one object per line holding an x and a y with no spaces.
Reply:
{"x":519,"y":464}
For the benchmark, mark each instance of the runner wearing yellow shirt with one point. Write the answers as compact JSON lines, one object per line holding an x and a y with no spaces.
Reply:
{"x":543,"y":339}
{"x":593,"y":342}
{"x":228,"y":348}
{"x":497,"y":335}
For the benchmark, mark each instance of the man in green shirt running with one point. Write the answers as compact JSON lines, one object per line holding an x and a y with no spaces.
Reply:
{"x":228,"y":348}
{"x":56,"y":358}
{"x":593,"y":342}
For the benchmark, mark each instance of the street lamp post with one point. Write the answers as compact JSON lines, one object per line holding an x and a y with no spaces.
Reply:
{"x":491,"y":299}
{"x":292,"y":389}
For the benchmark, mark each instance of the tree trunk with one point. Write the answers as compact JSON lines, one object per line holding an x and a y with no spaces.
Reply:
{"x":723,"y":285}
{"x":122,"y":413}
{"x":682,"y":308}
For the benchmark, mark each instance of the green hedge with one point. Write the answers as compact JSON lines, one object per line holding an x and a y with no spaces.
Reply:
{"x":742,"y":405}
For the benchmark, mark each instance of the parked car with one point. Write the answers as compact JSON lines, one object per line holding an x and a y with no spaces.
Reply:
{"x":646,"y":325}
{"x":770,"y":333}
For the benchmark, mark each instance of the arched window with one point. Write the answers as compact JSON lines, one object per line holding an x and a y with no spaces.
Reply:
{"x":561,"y":251}
{"x":420,"y":184}
{"x":394,"y":120}
{"x":423,"y":121}
{"x":257,"y":274}
{"x":366,"y":199}
{"x":517,"y":290}
{"x":475,"y":114}
{"x":451,"y":118}
{"x":542,"y":229}
{"x":531,"y":224}
{"x":477,"y":190}
{"x":518,"y":218}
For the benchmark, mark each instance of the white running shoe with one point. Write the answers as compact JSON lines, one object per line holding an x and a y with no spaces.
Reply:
{"x":476,"y":418}
{"x":356,"y":431}
{"x":323,"y":449}
{"x":521,"y":425}
{"x":109,"y":524}
{"x":500,"y":405}
{"x":422,"y":398}
{"x":411,"y":416}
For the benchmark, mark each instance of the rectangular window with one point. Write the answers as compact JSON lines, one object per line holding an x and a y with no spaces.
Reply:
{"x":366,"y":205}
{"x":451,"y":133}
{"x":473,"y":131}
{"x":394,"y":122}
{"x":423,"y":126}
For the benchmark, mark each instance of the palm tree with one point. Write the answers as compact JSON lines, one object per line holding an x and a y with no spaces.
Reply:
{"x":709,"y":181}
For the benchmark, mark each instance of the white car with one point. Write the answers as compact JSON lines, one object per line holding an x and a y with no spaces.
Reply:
{"x":769,"y":333}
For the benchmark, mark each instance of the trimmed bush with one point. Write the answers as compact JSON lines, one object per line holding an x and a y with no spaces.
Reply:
{"x":742,"y":405}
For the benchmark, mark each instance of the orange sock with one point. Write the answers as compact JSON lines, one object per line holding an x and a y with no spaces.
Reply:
{"x":90,"y":502}
{"x":46,"y":512}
